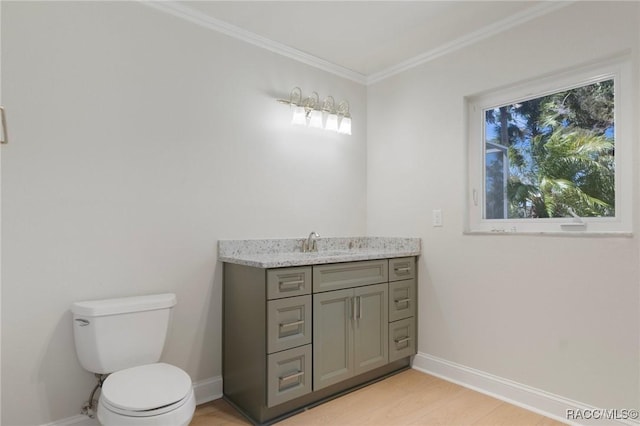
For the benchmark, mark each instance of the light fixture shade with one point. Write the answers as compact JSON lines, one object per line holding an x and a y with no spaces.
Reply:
{"x":315,"y":119}
{"x":332,"y":122}
{"x":299,"y":116}
{"x":345,"y":126}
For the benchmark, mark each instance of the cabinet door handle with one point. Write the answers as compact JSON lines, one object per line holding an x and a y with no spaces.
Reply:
{"x":3,"y":119}
{"x":353,"y":308}
{"x":400,"y":301}
{"x":357,"y":311}
{"x":291,"y":324}
{"x":404,"y":269}
{"x":402,"y":340}
{"x":291,"y":376}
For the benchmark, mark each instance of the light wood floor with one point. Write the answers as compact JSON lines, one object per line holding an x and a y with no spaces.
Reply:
{"x":408,"y":398}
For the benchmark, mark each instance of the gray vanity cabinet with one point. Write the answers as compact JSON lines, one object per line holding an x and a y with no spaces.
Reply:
{"x":294,"y":336}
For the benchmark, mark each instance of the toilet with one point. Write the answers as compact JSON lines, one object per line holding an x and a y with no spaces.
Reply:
{"x":124,"y":338}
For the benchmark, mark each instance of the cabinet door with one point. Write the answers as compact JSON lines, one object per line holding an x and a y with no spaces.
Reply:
{"x":332,"y":337}
{"x":371,"y":327}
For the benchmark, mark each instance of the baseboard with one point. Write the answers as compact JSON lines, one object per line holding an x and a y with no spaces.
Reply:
{"x":208,"y":389}
{"x":536,"y":400}
{"x":79,"y":420}
{"x":204,"y":390}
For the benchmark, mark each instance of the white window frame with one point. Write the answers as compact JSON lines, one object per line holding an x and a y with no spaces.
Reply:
{"x":620,"y":70}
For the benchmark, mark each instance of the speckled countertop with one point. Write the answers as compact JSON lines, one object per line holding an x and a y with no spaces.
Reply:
{"x":276,"y":253}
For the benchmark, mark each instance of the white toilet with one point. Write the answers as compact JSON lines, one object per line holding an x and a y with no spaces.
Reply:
{"x":124,"y":338}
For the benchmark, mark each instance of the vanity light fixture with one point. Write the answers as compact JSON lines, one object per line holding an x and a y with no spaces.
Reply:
{"x":309,"y":112}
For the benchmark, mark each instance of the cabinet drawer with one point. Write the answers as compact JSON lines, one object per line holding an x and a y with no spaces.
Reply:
{"x":346,"y":275}
{"x":402,"y":299}
{"x":402,"y":268}
{"x":288,"y":323}
{"x":289,"y":375}
{"x":288,"y":282}
{"x":402,"y":339}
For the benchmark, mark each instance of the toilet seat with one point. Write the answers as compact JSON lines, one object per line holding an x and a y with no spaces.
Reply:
{"x":147,"y":390}
{"x":147,"y":413}
{"x":180,"y":416}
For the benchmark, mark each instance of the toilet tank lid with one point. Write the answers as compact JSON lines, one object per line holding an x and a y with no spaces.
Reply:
{"x":123,"y":305}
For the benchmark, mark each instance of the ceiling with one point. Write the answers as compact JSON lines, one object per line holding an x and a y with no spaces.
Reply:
{"x":364,"y":40}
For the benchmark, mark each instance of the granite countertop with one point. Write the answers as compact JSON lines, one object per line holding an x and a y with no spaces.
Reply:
{"x":276,"y":253}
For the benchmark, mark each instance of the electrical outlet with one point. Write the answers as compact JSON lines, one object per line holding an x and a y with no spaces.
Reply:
{"x":437,"y":217}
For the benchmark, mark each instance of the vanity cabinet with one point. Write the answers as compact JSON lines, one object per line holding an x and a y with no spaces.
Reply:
{"x":295,"y":336}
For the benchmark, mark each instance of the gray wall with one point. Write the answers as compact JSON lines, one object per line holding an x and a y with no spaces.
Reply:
{"x":138,"y":141}
{"x":558,"y":314}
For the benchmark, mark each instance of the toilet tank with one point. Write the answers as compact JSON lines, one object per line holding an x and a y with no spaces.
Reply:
{"x":114,"y":334}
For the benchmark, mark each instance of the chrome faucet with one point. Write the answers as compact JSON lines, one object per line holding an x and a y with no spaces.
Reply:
{"x":310,"y":245}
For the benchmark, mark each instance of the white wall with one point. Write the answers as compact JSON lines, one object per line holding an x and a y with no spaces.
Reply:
{"x":558,"y":314}
{"x":138,"y":141}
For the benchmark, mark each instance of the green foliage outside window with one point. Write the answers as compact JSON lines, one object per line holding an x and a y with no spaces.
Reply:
{"x":552,"y":156}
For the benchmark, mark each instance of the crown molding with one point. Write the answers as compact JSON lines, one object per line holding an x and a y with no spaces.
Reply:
{"x":470,"y":38}
{"x":189,"y":14}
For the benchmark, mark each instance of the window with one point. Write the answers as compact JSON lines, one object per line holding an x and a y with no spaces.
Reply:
{"x":553,"y":155}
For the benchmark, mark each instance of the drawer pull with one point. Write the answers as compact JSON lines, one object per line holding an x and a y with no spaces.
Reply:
{"x":291,"y":324}
{"x":297,"y":283}
{"x":404,"y":270}
{"x":401,"y":301}
{"x":291,"y":376}
{"x":402,"y":340}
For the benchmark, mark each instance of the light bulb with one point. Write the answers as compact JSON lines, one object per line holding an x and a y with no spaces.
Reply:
{"x":299,"y":116}
{"x":315,"y":119}
{"x":332,"y":122}
{"x":345,"y":126}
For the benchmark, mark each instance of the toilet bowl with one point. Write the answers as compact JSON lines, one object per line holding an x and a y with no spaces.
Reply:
{"x":155,"y":394}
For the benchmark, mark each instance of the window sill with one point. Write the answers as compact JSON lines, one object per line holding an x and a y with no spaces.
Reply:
{"x":579,"y":234}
